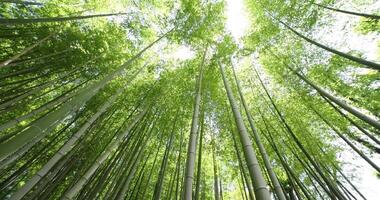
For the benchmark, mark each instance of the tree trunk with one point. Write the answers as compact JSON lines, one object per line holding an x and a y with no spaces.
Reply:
{"x":73,"y":191}
{"x":159,"y":184}
{"x":242,"y":189}
{"x":131,"y":173}
{"x":38,"y":58}
{"x":299,"y":144}
{"x":373,"y":138}
{"x":40,"y":153}
{"x":312,"y":173}
{"x":113,"y":161}
{"x":40,"y":126}
{"x":259,"y":183}
{"x":66,"y":147}
{"x":245,"y":178}
{"x":26,"y":50}
{"x":376,"y":17}
{"x":367,"y":63}
{"x":221,"y":189}
{"x":361,"y":154}
{"x":291,"y":175}
{"x":151,"y":171}
{"x":178,"y":168}
{"x":349,"y":182}
{"x":276,"y":185}
{"x":126,"y":165}
{"x":192,"y":147}
{"x":8,"y":102}
{"x":216,"y":178}
{"x":54,"y":19}
{"x":45,"y":107}
{"x":348,"y":108}
{"x":199,"y":168}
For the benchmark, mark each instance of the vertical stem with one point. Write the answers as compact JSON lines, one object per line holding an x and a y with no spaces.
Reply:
{"x":276,"y":185}
{"x":259,"y":183}
{"x":191,"y":150}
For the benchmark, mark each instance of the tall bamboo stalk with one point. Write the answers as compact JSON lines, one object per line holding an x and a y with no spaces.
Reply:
{"x":192,"y":147}
{"x":259,"y":183}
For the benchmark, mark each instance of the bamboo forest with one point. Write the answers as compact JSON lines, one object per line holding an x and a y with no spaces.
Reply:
{"x":190,"y":99}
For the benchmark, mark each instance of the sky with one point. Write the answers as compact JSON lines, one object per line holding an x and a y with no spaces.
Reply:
{"x":237,"y":23}
{"x":237,"y":20}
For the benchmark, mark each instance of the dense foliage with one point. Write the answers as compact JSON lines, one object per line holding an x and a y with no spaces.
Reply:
{"x":97,"y":101}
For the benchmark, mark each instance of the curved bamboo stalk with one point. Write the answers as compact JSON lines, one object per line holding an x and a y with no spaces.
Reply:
{"x":370,"y":16}
{"x":354,"y":111}
{"x":364,"y":62}
{"x":373,"y":138}
{"x":350,"y":109}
